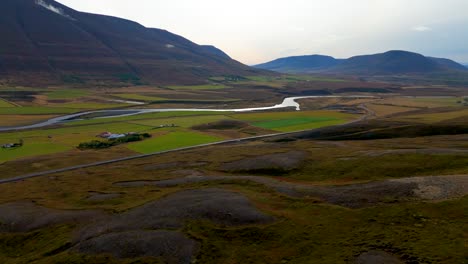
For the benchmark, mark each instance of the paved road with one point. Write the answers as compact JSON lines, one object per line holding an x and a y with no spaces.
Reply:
{"x":38,"y":174}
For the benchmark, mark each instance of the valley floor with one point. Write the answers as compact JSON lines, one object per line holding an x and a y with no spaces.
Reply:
{"x":391,"y":187}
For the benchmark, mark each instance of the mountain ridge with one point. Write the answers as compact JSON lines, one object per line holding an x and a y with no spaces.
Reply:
{"x":46,"y":42}
{"x":387,"y":63}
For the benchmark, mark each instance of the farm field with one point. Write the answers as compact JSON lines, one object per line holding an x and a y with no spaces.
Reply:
{"x":354,"y":186}
{"x":295,"y":121}
{"x":170,"y":130}
{"x":140,"y":97}
{"x":200,"y":87}
{"x":172,"y":140}
{"x":5,"y":104}
{"x":67,"y":94}
{"x":18,"y":120}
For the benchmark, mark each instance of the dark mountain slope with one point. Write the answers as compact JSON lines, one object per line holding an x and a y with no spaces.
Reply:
{"x":388,"y":63}
{"x":448,"y":64}
{"x":46,"y":42}
{"x":300,"y":64}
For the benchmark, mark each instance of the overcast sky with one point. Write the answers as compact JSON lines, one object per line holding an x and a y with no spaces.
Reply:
{"x":255,"y":31}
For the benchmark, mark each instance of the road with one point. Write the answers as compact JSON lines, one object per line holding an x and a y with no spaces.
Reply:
{"x":368,"y":115}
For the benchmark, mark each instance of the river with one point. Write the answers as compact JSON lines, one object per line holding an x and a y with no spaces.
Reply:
{"x":287,"y":102}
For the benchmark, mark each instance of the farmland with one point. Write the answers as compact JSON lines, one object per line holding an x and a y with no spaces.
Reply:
{"x":71,"y":134}
{"x":5,"y":104}
{"x":342,"y":185}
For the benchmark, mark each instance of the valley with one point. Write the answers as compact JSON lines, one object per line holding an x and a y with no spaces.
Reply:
{"x":124,"y":143}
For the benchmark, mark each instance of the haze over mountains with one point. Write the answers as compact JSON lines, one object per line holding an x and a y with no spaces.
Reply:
{"x":388,"y":63}
{"x":47,"y":42}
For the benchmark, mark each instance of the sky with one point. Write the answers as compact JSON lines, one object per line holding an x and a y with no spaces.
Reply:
{"x":256,"y":31}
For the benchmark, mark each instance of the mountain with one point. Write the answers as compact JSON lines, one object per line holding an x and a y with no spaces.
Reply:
{"x":300,"y":64}
{"x":388,"y":63}
{"x":395,"y":62}
{"x":44,"y":41}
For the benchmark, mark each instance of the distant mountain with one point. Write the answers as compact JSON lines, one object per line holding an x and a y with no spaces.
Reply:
{"x":300,"y":64}
{"x":43,"y":41}
{"x":388,"y":63}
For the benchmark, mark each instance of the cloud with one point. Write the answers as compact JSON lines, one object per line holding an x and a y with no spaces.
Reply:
{"x":421,"y":29}
{"x":297,"y":29}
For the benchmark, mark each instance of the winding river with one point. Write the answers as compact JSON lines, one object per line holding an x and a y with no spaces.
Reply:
{"x":287,"y":102}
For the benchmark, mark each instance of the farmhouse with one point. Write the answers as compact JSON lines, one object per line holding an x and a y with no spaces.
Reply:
{"x":110,"y":135}
{"x":105,"y":135}
{"x":9,"y":145}
{"x":116,"y":136}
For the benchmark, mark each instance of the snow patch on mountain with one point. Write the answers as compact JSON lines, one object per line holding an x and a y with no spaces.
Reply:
{"x":54,"y":9}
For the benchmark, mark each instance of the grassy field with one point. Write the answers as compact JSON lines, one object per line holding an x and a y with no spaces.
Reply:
{"x":18,"y":120}
{"x":295,"y":121}
{"x":67,"y":137}
{"x":32,"y":148}
{"x":181,"y":121}
{"x":200,"y":87}
{"x":172,"y":140}
{"x":436,"y":117}
{"x":90,"y":105}
{"x":306,"y":230}
{"x":67,"y":94}
{"x":139,"y":97}
{"x":384,"y":110}
{"x":5,"y":104}
{"x":36,"y":110}
{"x":440,"y":101}
{"x":49,"y":141}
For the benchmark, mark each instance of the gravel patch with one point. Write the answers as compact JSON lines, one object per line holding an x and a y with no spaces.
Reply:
{"x":439,"y":187}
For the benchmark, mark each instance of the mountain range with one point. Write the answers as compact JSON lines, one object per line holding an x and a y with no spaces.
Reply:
{"x":44,"y":41}
{"x":389,"y":63}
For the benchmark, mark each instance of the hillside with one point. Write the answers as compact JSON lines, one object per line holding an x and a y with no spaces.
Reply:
{"x":45,"y":42}
{"x":388,"y":63}
{"x":300,"y":64}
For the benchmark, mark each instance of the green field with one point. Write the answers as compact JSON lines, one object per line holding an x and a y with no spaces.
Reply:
{"x":49,"y":141}
{"x":172,"y":140}
{"x":148,"y":117}
{"x":139,"y":97}
{"x":442,"y":101}
{"x":91,"y":106}
{"x":294,"y":121}
{"x":31,"y":148}
{"x":200,"y":87}
{"x":298,"y":123}
{"x":67,"y":94}
{"x":5,"y":104}
{"x":185,"y":122}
